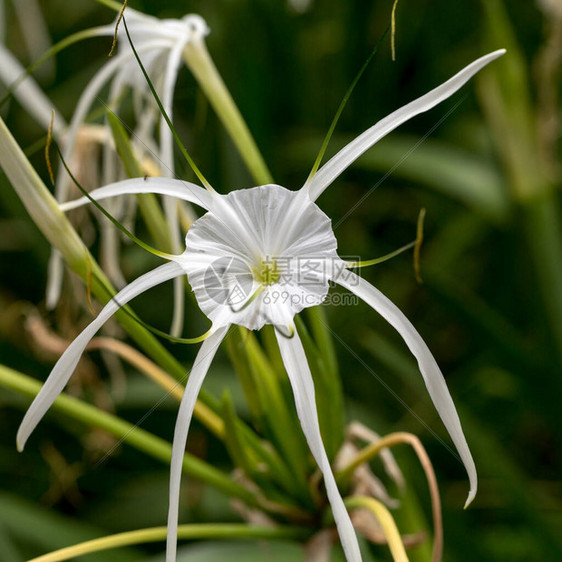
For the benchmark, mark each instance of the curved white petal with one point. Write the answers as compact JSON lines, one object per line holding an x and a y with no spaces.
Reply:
{"x":166,"y":137}
{"x":298,"y":370}
{"x":163,"y":186}
{"x":65,"y":366}
{"x":86,"y":99}
{"x":194,"y":382}
{"x":28,"y":93}
{"x":433,"y":378}
{"x":345,"y":157}
{"x":178,"y":314}
{"x":167,"y":157}
{"x":54,"y":283}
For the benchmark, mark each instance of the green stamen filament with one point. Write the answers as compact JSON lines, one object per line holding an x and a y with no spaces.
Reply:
{"x":267,"y":272}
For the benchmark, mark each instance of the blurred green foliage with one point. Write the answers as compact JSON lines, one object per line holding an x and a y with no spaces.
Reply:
{"x":487,"y":307}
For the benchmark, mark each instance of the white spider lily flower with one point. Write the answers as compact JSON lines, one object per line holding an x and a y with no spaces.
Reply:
{"x":161,"y":44}
{"x":259,"y":256}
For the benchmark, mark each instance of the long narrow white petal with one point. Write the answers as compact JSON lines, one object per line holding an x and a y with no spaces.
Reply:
{"x":164,"y":186}
{"x":84,"y":103}
{"x":166,"y":138}
{"x":167,"y":157}
{"x":83,"y":106}
{"x":298,"y":370}
{"x":194,"y":382}
{"x":178,"y":315}
{"x":345,"y":157}
{"x":54,"y":283}
{"x":434,"y":380}
{"x":28,"y":93}
{"x":65,"y":366}
{"x":172,"y":218}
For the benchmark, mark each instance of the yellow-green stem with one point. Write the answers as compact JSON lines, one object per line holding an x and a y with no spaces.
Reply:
{"x":160,"y":377}
{"x":199,"y":61}
{"x":128,"y":433}
{"x":385,"y":520}
{"x":373,"y":449}
{"x":366,"y":454}
{"x":51,"y":221}
{"x":157,"y":534}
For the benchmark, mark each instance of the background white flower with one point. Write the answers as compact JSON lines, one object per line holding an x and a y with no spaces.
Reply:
{"x":160,"y":43}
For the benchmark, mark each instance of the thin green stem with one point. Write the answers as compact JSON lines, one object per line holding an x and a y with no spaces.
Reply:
{"x":55,"y":49}
{"x":148,"y":204}
{"x":47,"y":216}
{"x":200,"y":63}
{"x":108,"y":215}
{"x":341,"y":107}
{"x":376,"y":261}
{"x":177,"y":139}
{"x":199,"y":531}
{"x":128,"y":433}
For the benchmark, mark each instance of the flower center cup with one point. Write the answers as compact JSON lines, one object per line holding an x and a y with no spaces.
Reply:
{"x":260,"y":256}
{"x":267,"y":273}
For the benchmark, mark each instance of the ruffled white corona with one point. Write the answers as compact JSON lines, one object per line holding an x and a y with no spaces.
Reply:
{"x":259,"y":256}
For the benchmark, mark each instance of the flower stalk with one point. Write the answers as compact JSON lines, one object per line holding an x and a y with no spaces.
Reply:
{"x":197,"y":58}
{"x":201,"y":531}
{"x":160,"y":377}
{"x":148,"y":205}
{"x":142,"y":440}
{"x":45,"y":212}
{"x":386,"y":521}
{"x":374,"y":449}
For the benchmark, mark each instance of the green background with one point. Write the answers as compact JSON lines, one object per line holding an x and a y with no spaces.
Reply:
{"x":486,"y":308}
